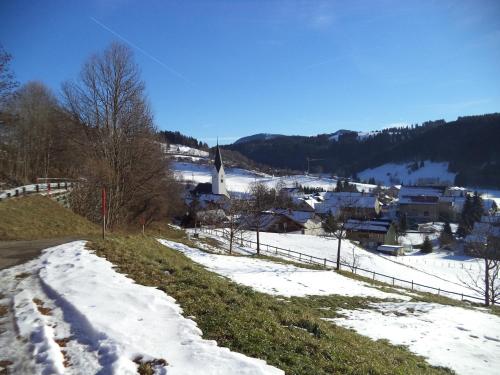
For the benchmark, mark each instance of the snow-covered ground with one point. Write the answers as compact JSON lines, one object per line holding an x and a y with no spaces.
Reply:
{"x":239,"y":180}
{"x":74,"y":314}
{"x":400,"y":173}
{"x":280,"y":279}
{"x":439,"y":270}
{"x":465,"y":340}
{"x":185,"y":150}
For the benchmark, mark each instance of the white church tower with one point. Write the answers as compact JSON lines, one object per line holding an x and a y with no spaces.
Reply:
{"x":218,"y":176}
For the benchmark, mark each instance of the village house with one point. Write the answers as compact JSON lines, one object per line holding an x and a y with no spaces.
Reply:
{"x":285,"y":221}
{"x":421,"y":203}
{"x":485,"y":231}
{"x":351,"y":204}
{"x":371,"y":233}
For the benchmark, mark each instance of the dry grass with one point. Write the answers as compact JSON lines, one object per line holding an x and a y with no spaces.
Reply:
{"x":39,"y":305}
{"x":287,"y":333}
{"x":3,"y":310}
{"x":37,"y":217}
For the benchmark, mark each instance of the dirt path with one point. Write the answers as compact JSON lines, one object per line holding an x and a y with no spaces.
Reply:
{"x":13,"y":253}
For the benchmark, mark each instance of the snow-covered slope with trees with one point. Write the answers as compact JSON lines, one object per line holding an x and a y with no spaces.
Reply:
{"x":422,"y":172}
{"x":239,"y":180}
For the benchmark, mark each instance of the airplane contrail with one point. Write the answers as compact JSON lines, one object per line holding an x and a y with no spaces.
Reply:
{"x":144,"y":52}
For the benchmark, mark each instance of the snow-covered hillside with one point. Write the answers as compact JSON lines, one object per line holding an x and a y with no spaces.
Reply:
{"x":403,"y":173}
{"x":280,"y":279}
{"x":185,"y":150}
{"x":72,"y":308}
{"x":239,"y":180}
{"x":440,"y":270}
{"x":465,"y":340}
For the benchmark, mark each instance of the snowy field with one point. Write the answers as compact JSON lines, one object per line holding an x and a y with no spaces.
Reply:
{"x":399,"y":173}
{"x":280,"y":279}
{"x":100,"y":321}
{"x":439,"y":270}
{"x":465,"y":340}
{"x":239,"y":180}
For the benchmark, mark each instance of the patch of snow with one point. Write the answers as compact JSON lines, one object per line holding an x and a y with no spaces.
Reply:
{"x":280,"y":279}
{"x":111,"y":317}
{"x":465,"y":340}
{"x":401,"y":173}
{"x":443,"y":270}
{"x":239,"y":180}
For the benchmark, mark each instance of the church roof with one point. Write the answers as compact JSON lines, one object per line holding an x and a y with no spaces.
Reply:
{"x":218,"y":159}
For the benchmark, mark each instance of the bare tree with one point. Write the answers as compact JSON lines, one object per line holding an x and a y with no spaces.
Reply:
{"x":7,"y":81}
{"x":236,"y":224}
{"x":354,"y":261}
{"x":35,"y":139}
{"x":486,"y":246}
{"x":335,"y":226}
{"x":120,"y":148}
{"x":258,"y":203}
{"x":336,"y":223}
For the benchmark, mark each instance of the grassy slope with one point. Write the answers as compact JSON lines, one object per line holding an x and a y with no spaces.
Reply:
{"x":287,"y":333}
{"x":37,"y":217}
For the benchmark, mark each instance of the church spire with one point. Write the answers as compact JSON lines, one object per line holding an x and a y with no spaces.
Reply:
{"x":218,"y":157}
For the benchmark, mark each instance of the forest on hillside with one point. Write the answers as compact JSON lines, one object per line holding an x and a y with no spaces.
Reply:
{"x":470,"y":144}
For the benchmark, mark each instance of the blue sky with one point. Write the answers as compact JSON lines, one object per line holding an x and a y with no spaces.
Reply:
{"x":233,"y":68}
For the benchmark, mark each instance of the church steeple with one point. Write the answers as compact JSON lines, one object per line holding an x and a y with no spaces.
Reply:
{"x":218,"y":158}
{"x":218,"y":176}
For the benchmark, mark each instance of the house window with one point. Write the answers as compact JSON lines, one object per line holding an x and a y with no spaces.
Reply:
{"x":426,"y":213}
{"x":222,"y":180}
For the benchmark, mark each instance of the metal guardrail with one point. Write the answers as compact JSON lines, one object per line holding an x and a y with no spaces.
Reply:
{"x":329,"y":264}
{"x":35,"y":188}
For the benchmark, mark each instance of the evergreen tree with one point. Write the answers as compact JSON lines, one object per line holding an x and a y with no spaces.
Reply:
{"x":427,"y":245}
{"x":446,"y":236}
{"x":477,"y":208}
{"x":403,"y":223}
{"x":465,"y":224}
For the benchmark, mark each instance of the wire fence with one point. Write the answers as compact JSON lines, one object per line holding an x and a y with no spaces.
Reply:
{"x":330,"y":264}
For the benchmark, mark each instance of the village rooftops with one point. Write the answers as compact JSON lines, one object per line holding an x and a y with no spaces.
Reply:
{"x":337,"y":201}
{"x":429,"y":191}
{"x":376,"y":226}
{"x":300,"y":217}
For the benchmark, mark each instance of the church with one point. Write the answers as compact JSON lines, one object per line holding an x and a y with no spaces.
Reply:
{"x":218,"y":176}
{"x":207,"y":199}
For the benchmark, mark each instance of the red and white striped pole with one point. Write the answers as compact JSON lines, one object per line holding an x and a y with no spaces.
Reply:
{"x":103,"y":210}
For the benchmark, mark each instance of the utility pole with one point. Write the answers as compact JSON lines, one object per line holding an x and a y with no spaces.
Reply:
{"x":103,"y":210}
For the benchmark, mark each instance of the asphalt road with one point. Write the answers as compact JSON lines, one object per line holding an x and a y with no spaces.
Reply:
{"x":13,"y":253}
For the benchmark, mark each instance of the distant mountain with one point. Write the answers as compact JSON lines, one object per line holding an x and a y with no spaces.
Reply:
{"x":258,"y":137}
{"x":342,"y":133}
{"x":471,"y":146}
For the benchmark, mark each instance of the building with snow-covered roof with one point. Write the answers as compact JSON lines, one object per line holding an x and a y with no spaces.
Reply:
{"x":371,"y":233}
{"x":285,"y":221}
{"x":421,"y":203}
{"x":354,"y":205}
{"x":485,"y":235}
